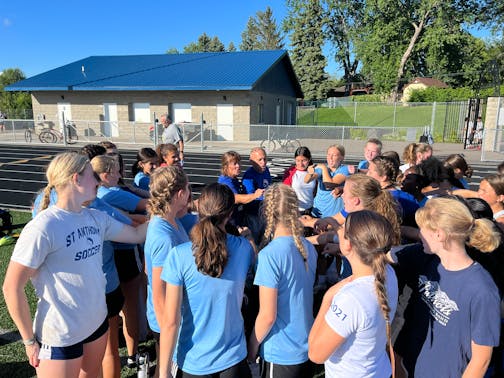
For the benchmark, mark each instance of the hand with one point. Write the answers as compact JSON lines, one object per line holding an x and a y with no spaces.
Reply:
{"x":311,"y":169}
{"x":307,"y":221}
{"x":321,"y":225}
{"x":32,"y":351}
{"x":351,"y":169}
{"x":332,"y":249}
{"x":258,"y":193}
{"x":337,"y":192}
{"x":245,"y":232}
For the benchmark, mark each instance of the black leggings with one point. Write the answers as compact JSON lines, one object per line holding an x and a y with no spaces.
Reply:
{"x":240,"y":370}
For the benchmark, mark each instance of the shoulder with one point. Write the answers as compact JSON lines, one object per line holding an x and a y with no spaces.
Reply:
{"x":250,"y":173}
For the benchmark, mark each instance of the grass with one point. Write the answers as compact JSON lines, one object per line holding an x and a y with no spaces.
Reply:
{"x":13,"y":360}
{"x":374,"y":115}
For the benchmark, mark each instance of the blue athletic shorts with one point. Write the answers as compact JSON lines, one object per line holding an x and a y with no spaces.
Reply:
{"x":48,"y":352}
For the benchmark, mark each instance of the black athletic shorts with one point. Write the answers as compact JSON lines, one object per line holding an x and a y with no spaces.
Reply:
{"x":115,"y":301}
{"x":127,"y":263}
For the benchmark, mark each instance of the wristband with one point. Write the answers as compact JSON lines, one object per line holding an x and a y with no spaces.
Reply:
{"x":29,"y":342}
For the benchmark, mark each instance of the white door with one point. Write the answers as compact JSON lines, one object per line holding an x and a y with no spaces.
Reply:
{"x":181,"y":113}
{"x":64,"y":111}
{"x":224,"y":121}
{"x":110,"y":125}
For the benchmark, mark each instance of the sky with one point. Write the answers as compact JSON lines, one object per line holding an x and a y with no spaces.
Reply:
{"x":37,"y":36}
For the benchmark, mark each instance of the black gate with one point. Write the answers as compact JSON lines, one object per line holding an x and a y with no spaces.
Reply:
{"x":473,"y":123}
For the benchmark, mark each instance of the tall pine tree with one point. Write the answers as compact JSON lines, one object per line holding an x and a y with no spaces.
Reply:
{"x":262,"y":33}
{"x":305,"y":21}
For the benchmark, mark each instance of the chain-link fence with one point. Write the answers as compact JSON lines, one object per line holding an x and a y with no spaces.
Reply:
{"x":445,"y":119}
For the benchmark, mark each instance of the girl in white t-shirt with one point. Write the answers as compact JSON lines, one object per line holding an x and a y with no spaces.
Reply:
{"x":60,"y":251}
{"x":352,"y":327}
{"x":298,"y":177}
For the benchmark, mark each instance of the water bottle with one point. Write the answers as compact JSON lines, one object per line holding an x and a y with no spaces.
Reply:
{"x":143,"y":365}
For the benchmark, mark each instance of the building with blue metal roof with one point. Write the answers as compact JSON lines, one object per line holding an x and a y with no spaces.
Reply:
{"x":227,"y":89}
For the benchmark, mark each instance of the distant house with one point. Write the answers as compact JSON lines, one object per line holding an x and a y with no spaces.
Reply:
{"x":421,"y":83}
{"x":230,"y":89}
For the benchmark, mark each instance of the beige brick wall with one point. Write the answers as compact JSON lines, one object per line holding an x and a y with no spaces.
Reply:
{"x":88,"y":106}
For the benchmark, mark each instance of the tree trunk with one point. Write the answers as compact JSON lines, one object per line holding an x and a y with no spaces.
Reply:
{"x":405,"y":57}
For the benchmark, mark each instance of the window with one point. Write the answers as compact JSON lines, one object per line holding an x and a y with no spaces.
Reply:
{"x":260,"y":113}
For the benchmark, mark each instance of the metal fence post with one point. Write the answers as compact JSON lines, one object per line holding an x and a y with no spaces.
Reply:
{"x":433,"y":117}
{"x":394,"y":118}
{"x":201,"y":133}
{"x":64,"y":128}
{"x":155,"y":131}
{"x":355,"y":112}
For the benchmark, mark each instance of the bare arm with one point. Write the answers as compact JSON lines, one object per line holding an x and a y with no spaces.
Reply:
{"x":466,"y":193}
{"x":16,"y":278}
{"x":181,"y":149}
{"x":323,"y":341}
{"x":169,"y":328}
{"x":478,"y":364}
{"x":246,"y":198}
{"x":264,"y":321}
{"x":312,"y":175}
{"x":158,"y":293}
{"x":132,"y":235}
{"x":338,"y":179}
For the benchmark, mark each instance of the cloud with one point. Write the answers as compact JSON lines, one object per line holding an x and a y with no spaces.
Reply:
{"x":6,"y":22}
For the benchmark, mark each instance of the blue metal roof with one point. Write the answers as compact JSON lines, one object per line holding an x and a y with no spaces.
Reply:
{"x":199,"y":71}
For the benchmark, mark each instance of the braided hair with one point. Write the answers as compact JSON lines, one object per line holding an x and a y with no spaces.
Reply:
{"x":280,"y":205}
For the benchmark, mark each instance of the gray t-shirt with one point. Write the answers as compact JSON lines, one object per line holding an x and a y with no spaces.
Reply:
{"x":172,"y":134}
{"x":66,"y":250}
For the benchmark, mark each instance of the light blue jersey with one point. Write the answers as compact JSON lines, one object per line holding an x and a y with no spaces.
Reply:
{"x":281,"y":266}
{"x":324,"y":204}
{"x":211,"y":337}
{"x":161,"y":238}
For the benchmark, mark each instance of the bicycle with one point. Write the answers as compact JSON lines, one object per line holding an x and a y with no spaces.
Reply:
{"x":49,"y":135}
{"x":285,"y":145}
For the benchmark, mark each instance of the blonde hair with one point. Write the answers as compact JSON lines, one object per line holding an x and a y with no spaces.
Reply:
{"x":371,"y":236}
{"x":280,"y":205}
{"x":228,"y":158}
{"x":104,"y":164}
{"x":455,"y":219}
{"x":373,"y":197}
{"x":60,"y":171}
{"x":165,"y":182}
{"x":410,"y":151}
{"x":208,"y":236}
{"x":339,"y":147}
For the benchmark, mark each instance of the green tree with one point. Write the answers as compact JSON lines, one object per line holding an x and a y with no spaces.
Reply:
{"x":305,"y":21}
{"x":262,"y":33}
{"x":231,"y":47}
{"x":15,"y":104}
{"x":395,"y":37}
{"x":172,"y":50}
{"x":342,"y":22}
{"x":205,"y":44}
